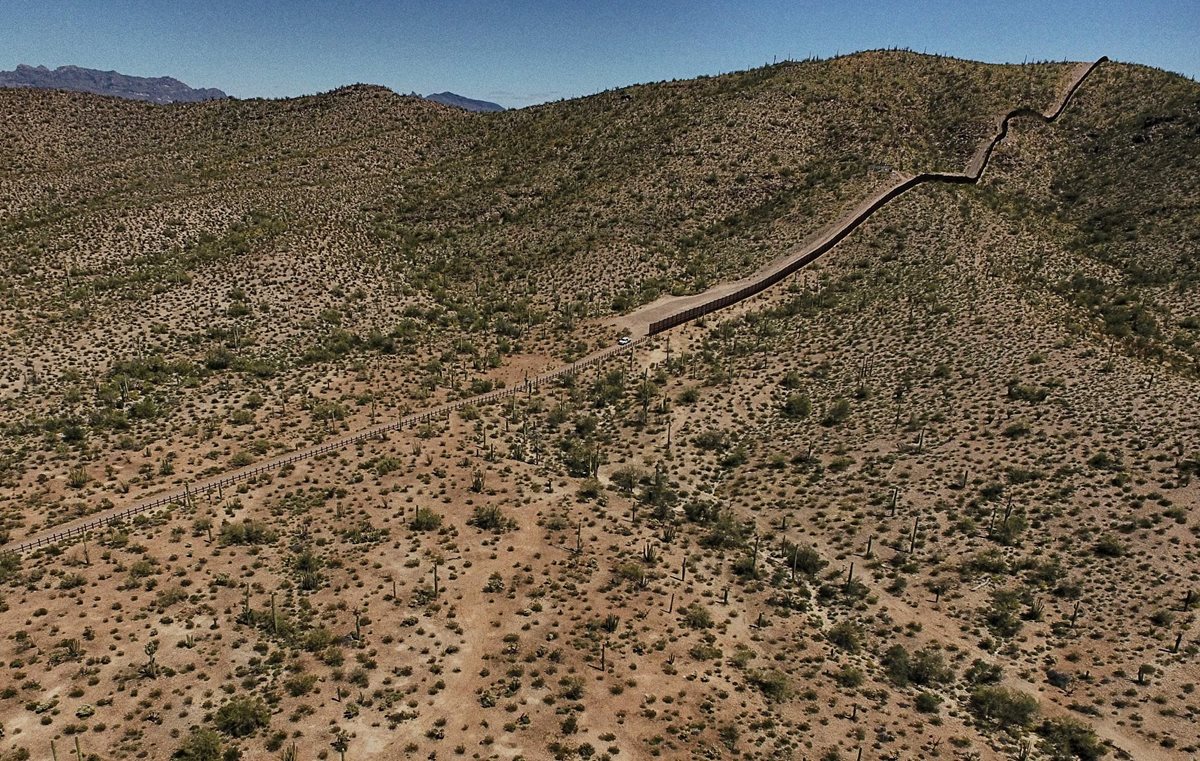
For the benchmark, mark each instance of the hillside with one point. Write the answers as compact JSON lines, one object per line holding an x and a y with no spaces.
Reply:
{"x":931,"y":497}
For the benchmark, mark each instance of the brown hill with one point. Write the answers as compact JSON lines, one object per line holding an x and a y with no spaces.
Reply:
{"x":931,"y":498}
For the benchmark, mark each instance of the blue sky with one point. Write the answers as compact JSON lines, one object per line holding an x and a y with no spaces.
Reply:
{"x":518,"y":53}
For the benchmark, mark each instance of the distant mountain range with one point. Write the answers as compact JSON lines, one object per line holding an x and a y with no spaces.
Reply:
{"x":161,"y":89}
{"x":467,"y":104}
{"x":77,"y":79}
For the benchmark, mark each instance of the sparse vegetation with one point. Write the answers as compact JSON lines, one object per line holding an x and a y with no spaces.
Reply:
{"x":878,"y":506}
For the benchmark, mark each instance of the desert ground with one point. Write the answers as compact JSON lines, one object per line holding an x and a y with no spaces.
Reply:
{"x":931,"y":497}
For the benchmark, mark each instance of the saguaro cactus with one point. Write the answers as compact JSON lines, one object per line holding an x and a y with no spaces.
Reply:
{"x":151,"y":649}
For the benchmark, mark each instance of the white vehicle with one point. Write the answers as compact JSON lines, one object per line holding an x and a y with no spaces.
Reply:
{"x":624,"y":341}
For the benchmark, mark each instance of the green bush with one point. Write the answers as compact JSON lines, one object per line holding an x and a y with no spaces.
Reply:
{"x":798,"y":405}
{"x":847,"y":635}
{"x":200,"y":745}
{"x":10,"y":565}
{"x":241,"y":716}
{"x":849,"y":676}
{"x":773,"y":684}
{"x":805,"y":560}
{"x":572,"y":688}
{"x":927,"y":702}
{"x":1109,"y":546}
{"x":491,"y":518}
{"x":836,"y":413}
{"x":1066,"y":739}
{"x":697,"y":616}
{"x":928,"y":668}
{"x":712,"y":440}
{"x":246,"y":532}
{"x":300,"y":684}
{"x":426,"y":519}
{"x":897,"y":664}
{"x":1009,"y":710}
{"x":982,"y":672}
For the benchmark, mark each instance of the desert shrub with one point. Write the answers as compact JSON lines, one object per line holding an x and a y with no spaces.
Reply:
{"x":1026,"y":392}
{"x":385,"y":465}
{"x":248,"y":531}
{"x":659,"y":493}
{"x":609,"y":389}
{"x":317,"y":639}
{"x":590,"y":488}
{"x":141,"y":568}
{"x":797,"y":405}
{"x":1016,"y":430}
{"x":1105,"y":461}
{"x":927,"y":702}
{"x":241,"y":417}
{"x":988,"y":561}
{"x":711,"y":440}
{"x":633,"y":573}
{"x":1009,"y":710}
{"x":300,"y":684}
{"x":705,"y":651}
{"x":78,"y":478}
{"x":1065,"y":739}
{"x":735,"y":457}
{"x":897,"y":664}
{"x":729,"y":734}
{"x":697,"y":616}
{"x":572,"y":688}
{"x":200,"y":745}
{"x":1109,"y":546}
{"x":557,"y":522}
{"x":982,"y":672}
{"x":773,"y":684}
{"x":10,"y":565}
{"x":72,"y":580}
{"x":837,"y":413}
{"x":307,"y":566}
{"x":580,"y":459}
{"x":169,"y":596}
{"x":746,"y":567}
{"x":700,"y":511}
{"x":218,"y":359}
{"x":491,"y":518}
{"x":928,"y":668}
{"x":726,"y":532}
{"x":849,"y":676}
{"x":847,"y":635}
{"x":241,"y":459}
{"x":425,"y":519}
{"x":805,"y":560}
{"x":626,"y":478}
{"x":241,"y":716}
{"x":1003,"y":616}
{"x":1008,"y":532}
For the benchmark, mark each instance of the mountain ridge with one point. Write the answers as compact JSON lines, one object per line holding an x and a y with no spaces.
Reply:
{"x":461,"y":101}
{"x":114,"y":83}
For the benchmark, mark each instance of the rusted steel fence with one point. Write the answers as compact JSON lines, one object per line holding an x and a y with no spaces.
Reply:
{"x":183,"y":494}
{"x":974,"y":171}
